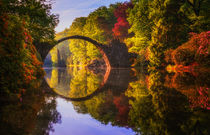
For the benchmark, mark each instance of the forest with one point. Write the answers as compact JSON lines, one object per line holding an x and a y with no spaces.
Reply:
{"x":169,"y":37}
{"x":163,"y":33}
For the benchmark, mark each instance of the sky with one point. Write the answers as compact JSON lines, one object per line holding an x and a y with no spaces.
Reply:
{"x":68,"y":10}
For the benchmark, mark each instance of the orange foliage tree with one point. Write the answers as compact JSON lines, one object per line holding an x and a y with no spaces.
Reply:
{"x":195,"y":51}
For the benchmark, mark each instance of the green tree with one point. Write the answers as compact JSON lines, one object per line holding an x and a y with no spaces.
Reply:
{"x":38,"y":18}
{"x":141,"y":25}
{"x":197,"y":14}
{"x":78,"y":47}
{"x":168,"y":30}
{"x":98,"y":26}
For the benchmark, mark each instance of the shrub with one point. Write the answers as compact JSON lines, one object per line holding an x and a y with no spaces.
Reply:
{"x":202,"y":42}
{"x":183,"y":56}
{"x":195,"y":50}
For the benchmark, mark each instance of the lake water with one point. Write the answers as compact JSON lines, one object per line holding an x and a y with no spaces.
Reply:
{"x":97,"y":114}
{"x":76,"y":101}
{"x":127,"y":102}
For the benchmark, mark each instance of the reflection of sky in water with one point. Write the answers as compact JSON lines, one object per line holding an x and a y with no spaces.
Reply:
{"x":74,"y":123}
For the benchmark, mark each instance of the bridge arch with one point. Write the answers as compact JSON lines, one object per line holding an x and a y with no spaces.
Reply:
{"x":44,"y":48}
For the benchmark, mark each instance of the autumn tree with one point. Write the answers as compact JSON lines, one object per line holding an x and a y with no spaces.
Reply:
{"x":120,"y":29}
{"x":98,"y":26}
{"x":78,"y":47}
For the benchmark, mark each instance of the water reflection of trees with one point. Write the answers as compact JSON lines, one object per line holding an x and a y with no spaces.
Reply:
{"x":84,"y":83}
{"x":34,"y":113}
{"x":156,"y":103}
{"x":152,"y":103}
{"x":194,"y":86}
{"x":156,"y":109}
{"x":73,"y":82}
{"x":111,"y":105}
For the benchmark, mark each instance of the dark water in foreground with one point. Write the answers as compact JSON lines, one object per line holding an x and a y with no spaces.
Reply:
{"x":119,"y":102}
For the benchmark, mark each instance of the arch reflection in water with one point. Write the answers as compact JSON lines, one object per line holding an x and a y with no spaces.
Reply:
{"x":155,"y":103}
{"x":79,"y":84}
{"x":73,"y":83}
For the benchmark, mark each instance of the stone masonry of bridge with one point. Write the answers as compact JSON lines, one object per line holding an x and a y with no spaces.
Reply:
{"x":115,"y":54}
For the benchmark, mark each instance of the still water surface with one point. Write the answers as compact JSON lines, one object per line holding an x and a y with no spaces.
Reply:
{"x":128,"y":102}
{"x":97,"y":114}
{"x":76,"y":101}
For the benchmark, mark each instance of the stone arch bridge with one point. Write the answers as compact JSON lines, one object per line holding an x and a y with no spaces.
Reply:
{"x":115,"y":54}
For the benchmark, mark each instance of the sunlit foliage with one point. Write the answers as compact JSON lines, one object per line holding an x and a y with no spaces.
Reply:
{"x":73,"y":82}
{"x":54,"y":56}
{"x":98,"y":26}
{"x":63,"y":51}
{"x":150,"y":28}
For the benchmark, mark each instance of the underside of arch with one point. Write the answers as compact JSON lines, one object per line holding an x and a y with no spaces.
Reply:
{"x":45,"y":48}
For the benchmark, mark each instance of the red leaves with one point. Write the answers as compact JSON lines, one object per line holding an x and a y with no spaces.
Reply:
{"x":17,"y":53}
{"x":120,"y":29}
{"x":195,"y":50}
{"x":28,"y":72}
{"x":35,"y":61}
{"x":28,"y":38}
{"x":200,"y":41}
{"x":32,"y":65}
{"x":197,"y":94}
{"x":201,"y":99}
{"x":120,"y":12}
{"x":121,"y":103}
{"x":4,"y":24}
{"x":24,"y":45}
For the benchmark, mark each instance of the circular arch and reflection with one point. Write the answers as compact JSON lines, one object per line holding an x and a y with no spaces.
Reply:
{"x":53,"y":78}
{"x":116,"y":80}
